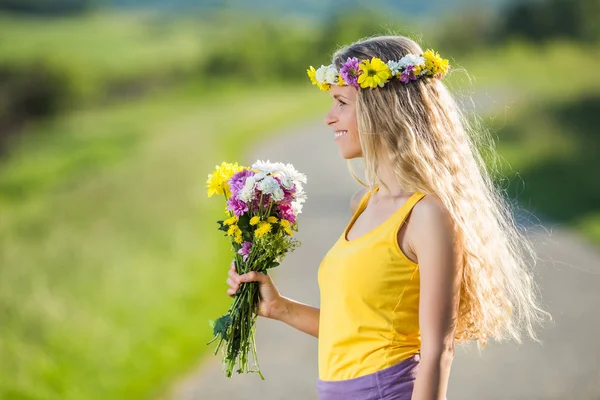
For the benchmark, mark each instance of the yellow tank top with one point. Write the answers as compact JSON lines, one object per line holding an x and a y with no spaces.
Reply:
{"x":369,"y":290}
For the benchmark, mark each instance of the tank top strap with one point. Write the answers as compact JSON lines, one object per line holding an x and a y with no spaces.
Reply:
{"x":363,"y":201}
{"x":406,"y":208}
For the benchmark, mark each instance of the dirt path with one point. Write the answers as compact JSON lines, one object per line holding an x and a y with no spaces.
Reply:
{"x":565,"y":366}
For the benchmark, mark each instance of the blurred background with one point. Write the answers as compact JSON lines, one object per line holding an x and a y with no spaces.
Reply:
{"x":113,"y":112}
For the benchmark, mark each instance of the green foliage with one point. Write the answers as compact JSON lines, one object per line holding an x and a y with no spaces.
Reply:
{"x":45,"y":7}
{"x":554,"y":147}
{"x":549,"y":19}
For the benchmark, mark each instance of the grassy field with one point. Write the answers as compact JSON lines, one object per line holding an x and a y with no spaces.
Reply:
{"x":110,"y":263}
{"x":103,"y":49}
{"x":545,"y":125}
{"x":110,"y":260}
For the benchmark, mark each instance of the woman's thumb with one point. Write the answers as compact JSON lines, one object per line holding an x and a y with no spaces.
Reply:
{"x":253,"y":276}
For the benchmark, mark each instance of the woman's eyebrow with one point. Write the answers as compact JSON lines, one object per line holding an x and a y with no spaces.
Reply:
{"x":335,"y":96}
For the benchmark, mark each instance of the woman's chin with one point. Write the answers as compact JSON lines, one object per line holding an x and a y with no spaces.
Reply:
{"x":348,"y":155}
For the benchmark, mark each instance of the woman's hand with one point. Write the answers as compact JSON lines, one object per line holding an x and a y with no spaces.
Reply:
{"x":272,"y":304}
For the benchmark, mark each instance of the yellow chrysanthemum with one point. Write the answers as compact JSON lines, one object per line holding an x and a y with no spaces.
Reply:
{"x":254,"y":220}
{"x":263,"y":229}
{"x":285,"y":223}
{"x":434,"y":63}
{"x":374,"y":73}
{"x":233,"y":230}
{"x":238,"y":237}
{"x":289,"y":231}
{"x":312,"y":74}
{"x":272,"y":220}
{"x":341,"y":81}
{"x":231,"y":221}
{"x":217,"y":181}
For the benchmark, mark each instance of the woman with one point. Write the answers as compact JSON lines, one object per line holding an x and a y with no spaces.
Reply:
{"x":431,"y":255}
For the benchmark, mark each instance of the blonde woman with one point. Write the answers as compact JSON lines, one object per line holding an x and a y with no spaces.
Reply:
{"x":431,"y":256}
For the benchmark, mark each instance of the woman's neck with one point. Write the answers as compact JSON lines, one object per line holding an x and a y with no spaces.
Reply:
{"x":388,"y":178}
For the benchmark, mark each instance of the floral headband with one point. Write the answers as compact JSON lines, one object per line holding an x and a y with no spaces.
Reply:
{"x":374,"y":72}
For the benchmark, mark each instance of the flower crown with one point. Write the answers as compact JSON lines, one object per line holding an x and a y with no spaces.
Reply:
{"x":374,"y":72}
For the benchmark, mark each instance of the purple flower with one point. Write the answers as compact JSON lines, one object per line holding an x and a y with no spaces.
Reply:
{"x":408,"y":74}
{"x":350,"y":72}
{"x":287,"y":212}
{"x":245,"y":250}
{"x":238,"y":180}
{"x":237,"y":206}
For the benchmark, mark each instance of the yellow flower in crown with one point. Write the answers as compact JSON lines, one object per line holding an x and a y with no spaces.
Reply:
{"x":312,"y":74}
{"x":435,"y":64}
{"x":217,"y":181}
{"x":374,"y":73}
{"x":341,"y":80}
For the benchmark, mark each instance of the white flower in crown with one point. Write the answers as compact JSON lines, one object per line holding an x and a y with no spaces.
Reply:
{"x":411,"y":59}
{"x":395,"y":67}
{"x":321,"y":73}
{"x":331,"y":74}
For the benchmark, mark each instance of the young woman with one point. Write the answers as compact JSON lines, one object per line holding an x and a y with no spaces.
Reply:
{"x":431,"y":255}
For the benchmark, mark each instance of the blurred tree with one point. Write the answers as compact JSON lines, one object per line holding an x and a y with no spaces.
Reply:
{"x":466,"y":30}
{"x":346,"y":27}
{"x":47,"y":7}
{"x":548,"y":19}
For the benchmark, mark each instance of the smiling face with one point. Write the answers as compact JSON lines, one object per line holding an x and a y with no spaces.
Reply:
{"x":341,"y":118}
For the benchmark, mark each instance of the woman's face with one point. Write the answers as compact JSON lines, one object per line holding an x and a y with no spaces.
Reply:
{"x":342,"y":120}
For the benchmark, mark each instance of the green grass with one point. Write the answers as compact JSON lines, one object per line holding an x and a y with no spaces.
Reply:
{"x":554,"y":147}
{"x":104,"y":48}
{"x":111,"y":263}
{"x":518,"y":72}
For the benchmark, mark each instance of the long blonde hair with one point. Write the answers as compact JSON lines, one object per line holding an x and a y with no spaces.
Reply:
{"x":422,"y":131}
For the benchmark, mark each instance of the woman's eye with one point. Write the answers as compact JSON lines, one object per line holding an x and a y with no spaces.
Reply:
{"x":341,"y":103}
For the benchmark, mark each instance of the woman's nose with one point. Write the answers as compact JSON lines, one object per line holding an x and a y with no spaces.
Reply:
{"x":330,"y":118}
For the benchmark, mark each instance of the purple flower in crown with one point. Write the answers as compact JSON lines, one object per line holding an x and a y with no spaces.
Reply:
{"x":237,"y":206}
{"x":350,"y":72}
{"x":408,"y":74}
{"x":245,"y":250}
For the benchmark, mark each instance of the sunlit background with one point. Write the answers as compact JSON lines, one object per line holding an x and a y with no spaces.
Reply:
{"x":113,"y":112}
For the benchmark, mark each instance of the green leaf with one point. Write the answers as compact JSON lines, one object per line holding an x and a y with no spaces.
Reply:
{"x":222,"y":325}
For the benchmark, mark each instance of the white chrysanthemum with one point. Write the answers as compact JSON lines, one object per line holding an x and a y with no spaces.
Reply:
{"x":265,"y":166}
{"x":278,"y":194}
{"x":247,"y":192}
{"x":268,"y":185}
{"x":259,"y":176}
{"x":395,"y":67}
{"x":331,"y":74}
{"x":297,"y":207}
{"x":321,"y":73}
{"x":411,"y":59}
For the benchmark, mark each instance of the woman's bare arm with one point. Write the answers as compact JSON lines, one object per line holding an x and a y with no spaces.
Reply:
{"x":440,"y":276}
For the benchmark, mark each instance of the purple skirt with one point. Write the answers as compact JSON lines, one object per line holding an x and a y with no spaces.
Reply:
{"x":392,"y":383}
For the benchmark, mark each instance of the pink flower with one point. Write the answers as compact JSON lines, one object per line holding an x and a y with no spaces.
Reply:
{"x":287,"y":212}
{"x":245,"y":250}
{"x":237,"y":206}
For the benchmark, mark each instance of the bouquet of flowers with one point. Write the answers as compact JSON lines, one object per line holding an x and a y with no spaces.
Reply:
{"x":262,"y":203}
